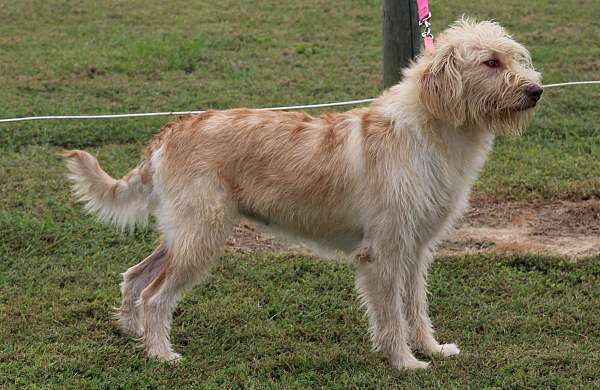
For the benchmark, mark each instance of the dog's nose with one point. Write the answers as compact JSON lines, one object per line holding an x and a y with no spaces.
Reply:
{"x":534,"y":92}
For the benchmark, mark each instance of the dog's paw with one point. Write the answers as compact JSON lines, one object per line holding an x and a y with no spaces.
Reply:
{"x":165,"y":357}
{"x":173,"y":359}
{"x":447,"y":350}
{"x":442,"y":350}
{"x":409,"y":362}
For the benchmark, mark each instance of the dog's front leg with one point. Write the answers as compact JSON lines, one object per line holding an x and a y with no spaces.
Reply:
{"x":416,"y":310}
{"x":380,"y":284}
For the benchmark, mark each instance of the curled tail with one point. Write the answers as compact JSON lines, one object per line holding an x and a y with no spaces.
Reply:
{"x":124,"y":202}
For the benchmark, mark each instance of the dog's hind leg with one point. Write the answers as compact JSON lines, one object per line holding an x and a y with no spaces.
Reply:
{"x":417,"y":313}
{"x":380,"y":285}
{"x":135,"y":279}
{"x":195,"y":233}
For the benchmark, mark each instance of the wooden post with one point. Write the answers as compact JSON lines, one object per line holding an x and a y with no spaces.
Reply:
{"x":401,"y":38}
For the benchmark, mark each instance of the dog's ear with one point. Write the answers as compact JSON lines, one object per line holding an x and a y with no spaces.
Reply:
{"x":441,"y":87}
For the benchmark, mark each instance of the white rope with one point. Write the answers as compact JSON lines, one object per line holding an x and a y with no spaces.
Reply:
{"x":572,"y":83}
{"x":169,"y":113}
{"x":166,"y":113}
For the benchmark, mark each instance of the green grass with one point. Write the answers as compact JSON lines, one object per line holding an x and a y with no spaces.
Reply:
{"x":269,"y":321}
{"x":273,"y":321}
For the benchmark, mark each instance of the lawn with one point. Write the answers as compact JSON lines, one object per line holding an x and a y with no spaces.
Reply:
{"x":263,"y":320}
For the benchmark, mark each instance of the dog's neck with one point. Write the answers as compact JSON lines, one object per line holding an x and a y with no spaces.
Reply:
{"x":402,"y":107}
{"x":401,"y":104}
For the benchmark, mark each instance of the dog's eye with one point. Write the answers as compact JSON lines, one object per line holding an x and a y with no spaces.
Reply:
{"x":492,"y":63}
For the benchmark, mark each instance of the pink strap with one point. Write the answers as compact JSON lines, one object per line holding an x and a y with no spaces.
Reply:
{"x":424,"y":16}
{"x":423,"y":9}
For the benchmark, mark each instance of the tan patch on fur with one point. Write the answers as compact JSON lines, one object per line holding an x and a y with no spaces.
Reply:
{"x":365,"y":123}
{"x":145,"y":174}
{"x":260,"y":138}
{"x":376,"y":132}
{"x":158,"y":282}
{"x":233,"y":188}
{"x":140,"y":268}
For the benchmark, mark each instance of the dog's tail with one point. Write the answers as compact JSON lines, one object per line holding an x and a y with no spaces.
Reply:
{"x":124,"y":202}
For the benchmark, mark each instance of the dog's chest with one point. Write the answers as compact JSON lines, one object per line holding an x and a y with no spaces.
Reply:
{"x":431,"y":189}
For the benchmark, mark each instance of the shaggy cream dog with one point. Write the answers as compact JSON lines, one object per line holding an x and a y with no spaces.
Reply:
{"x":380,"y":183}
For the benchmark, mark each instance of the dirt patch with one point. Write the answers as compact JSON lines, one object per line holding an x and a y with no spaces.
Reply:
{"x":247,"y":239}
{"x":564,"y":228}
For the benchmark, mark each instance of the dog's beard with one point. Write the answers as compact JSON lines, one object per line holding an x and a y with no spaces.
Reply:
{"x":503,"y":114}
{"x":510,"y":121}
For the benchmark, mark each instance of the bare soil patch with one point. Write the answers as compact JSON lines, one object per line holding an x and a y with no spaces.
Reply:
{"x":563,"y":228}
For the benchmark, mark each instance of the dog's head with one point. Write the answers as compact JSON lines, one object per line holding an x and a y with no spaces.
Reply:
{"x":479,"y":76}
